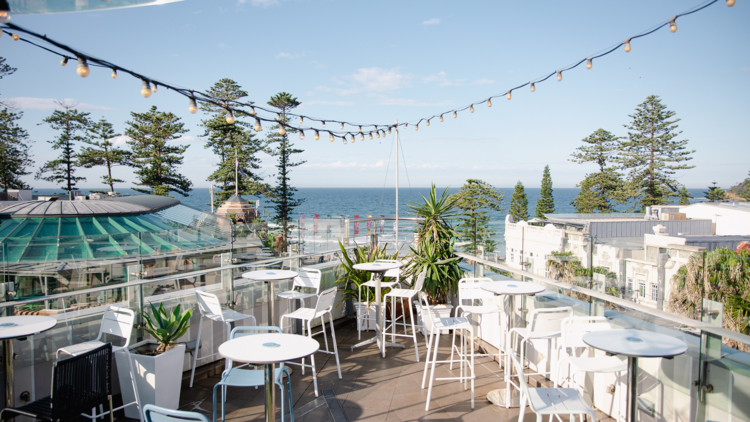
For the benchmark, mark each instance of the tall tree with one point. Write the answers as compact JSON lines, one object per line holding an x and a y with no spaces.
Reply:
{"x":685,"y":196}
{"x":6,"y":70}
{"x":745,"y":192}
{"x":652,"y":155}
{"x":224,"y":139}
{"x":15,"y":159}
{"x":519,"y":204}
{"x":155,"y":161}
{"x":73,"y":127}
{"x":278,"y":145}
{"x":602,"y":190}
{"x":103,"y":152}
{"x":715,"y":193}
{"x":475,"y":199}
{"x":546,"y":203}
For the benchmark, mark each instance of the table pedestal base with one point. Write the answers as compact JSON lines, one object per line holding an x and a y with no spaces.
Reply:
{"x":498,"y":397}
{"x":270,"y":390}
{"x":632,"y":388}
{"x":374,"y":340}
{"x":9,"y":394}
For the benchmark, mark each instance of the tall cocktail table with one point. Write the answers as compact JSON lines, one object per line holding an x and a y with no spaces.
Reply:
{"x":18,"y":327}
{"x":635,"y":344}
{"x":270,"y":277}
{"x":508,"y":397}
{"x":268,"y":350}
{"x":377,"y":269}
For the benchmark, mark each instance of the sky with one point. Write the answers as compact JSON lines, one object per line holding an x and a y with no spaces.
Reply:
{"x":383,"y":61}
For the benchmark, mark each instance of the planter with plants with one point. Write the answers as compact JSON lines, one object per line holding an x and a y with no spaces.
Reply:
{"x":434,"y":254}
{"x":157,"y":362}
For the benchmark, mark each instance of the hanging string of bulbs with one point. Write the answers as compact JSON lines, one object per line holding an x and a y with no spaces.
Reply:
{"x":234,"y":107}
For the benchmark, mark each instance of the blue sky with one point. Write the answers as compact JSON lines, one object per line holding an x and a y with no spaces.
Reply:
{"x":378,"y":61}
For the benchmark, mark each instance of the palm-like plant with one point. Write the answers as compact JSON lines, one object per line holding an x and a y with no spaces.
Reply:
{"x":166,"y":328}
{"x":352,"y":278}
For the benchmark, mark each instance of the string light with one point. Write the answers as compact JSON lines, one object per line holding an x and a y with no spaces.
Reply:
{"x":155,"y":87}
{"x":145,"y":89}
{"x":441,"y":119}
{"x":377,"y":134}
{"x":15,"y":37}
{"x":282,"y":131}
{"x":428,"y":122}
{"x":416,"y":127}
{"x":371,"y":136}
{"x":301,"y":120}
{"x":257,"y":127}
{"x":455,"y":115}
{"x":193,"y":107}
{"x":361,"y":137}
{"x":317,"y":136}
{"x":673,"y":25}
{"x":5,"y":14}
{"x":64,"y":61}
{"x":471,"y":108}
{"x":589,"y":63}
{"x":301,"y":135}
{"x":342,"y":125}
{"x":730,"y":3}
{"x":278,"y":117}
{"x":533,"y":88}
{"x":252,"y":111}
{"x":360,"y":128}
{"x":230,"y":116}
{"x":83,"y":68}
{"x":559,"y":75}
{"x":489,"y":102}
{"x":330,"y":137}
{"x":509,"y":97}
{"x":343,"y":138}
{"x":627,"y":45}
{"x":324,"y":123}
{"x":389,"y":130}
{"x":114,"y":73}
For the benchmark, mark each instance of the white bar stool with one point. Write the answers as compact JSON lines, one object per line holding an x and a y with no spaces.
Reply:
{"x":402,"y":294}
{"x":308,"y":278}
{"x":210,"y":308}
{"x":475,"y":301}
{"x":363,"y":308}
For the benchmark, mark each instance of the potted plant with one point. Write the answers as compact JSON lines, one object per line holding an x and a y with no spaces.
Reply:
{"x":433,"y":253}
{"x":158,"y":363}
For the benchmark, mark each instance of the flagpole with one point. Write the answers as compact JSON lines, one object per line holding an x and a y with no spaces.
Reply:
{"x":396,"y":222}
{"x":236,"y":167}
{"x":211,"y":189}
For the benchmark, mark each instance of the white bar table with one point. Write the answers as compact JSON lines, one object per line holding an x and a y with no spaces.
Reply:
{"x":377,"y":269}
{"x":270,"y":277}
{"x":508,"y":397}
{"x":268,"y":350}
{"x":18,"y":327}
{"x":635,"y":344}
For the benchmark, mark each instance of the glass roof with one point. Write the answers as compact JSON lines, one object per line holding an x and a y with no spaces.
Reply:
{"x":177,"y":228}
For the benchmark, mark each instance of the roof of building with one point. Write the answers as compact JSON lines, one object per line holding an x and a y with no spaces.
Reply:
{"x":626,"y":225}
{"x":236,"y":198}
{"x":737,"y":206}
{"x":128,"y":205}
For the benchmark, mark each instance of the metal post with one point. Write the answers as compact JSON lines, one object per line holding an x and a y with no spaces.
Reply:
{"x":632,"y":388}
{"x":9,"y":392}
{"x":270,"y":390}
{"x":396,"y":222}
{"x":270,"y":302}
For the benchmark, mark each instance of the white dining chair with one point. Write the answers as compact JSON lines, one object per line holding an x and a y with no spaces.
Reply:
{"x":550,"y":401}
{"x":210,"y":308}
{"x":116,"y":322}
{"x":398,"y":295}
{"x":323,"y":307}
{"x":307,"y":278}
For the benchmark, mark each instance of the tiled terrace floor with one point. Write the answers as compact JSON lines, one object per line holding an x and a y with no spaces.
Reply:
{"x":372,"y":388}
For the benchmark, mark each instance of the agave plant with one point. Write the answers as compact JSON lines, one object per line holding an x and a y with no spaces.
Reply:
{"x":351,"y":279}
{"x":166,"y":328}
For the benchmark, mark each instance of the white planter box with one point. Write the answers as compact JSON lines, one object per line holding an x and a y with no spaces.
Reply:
{"x":365,"y":321}
{"x":442,"y":311}
{"x":158,"y":378}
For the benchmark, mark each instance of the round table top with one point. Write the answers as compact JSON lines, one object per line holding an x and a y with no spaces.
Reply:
{"x":268,"y":348}
{"x":270,"y":275}
{"x":635,"y":343}
{"x":24,"y":325}
{"x":377,"y":267}
{"x":512,"y":288}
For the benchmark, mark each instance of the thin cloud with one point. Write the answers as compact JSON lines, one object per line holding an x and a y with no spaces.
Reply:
{"x":223,"y":46}
{"x":484,"y":81}
{"x":120,"y":141}
{"x":284,"y":55}
{"x":34,"y":103}
{"x":352,"y":164}
{"x":441,"y":79}
{"x":260,"y":3}
{"x":433,"y":21}
{"x":321,"y":102}
{"x":370,"y":80}
{"x":409,"y":102}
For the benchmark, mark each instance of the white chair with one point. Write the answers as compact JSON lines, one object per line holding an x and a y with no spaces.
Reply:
{"x":409,"y":295}
{"x":571,"y":339}
{"x":466,"y":365}
{"x":544,"y":324}
{"x":159,"y":414}
{"x":210,"y":308}
{"x":307,"y":278}
{"x":475,"y":301}
{"x":550,"y":401}
{"x":241,"y":377}
{"x":363,"y":308}
{"x":307,"y":315}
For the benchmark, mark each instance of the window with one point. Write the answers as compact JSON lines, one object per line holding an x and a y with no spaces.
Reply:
{"x":642,"y":289}
{"x":630,"y":284}
{"x":512,"y":256}
{"x":654,"y":292}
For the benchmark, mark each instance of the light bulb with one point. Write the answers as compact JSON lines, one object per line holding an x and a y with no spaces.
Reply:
{"x":330,"y":137}
{"x":383,"y":134}
{"x":193,"y":107}
{"x":559,"y":75}
{"x":377,"y":134}
{"x":282,"y":131}
{"x":4,"y":16}
{"x":155,"y":87}
{"x":252,"y":111}
{"x":230,"y":116}
{"x":589,"y":63}
{"x":489,"y":102}
{"x":428,"y":122}
{"x":83,"y":68}
{"x":627,"y":45}
{"x":371,"y":136}
{"x":63,"y":62}
{"x":146,"y":89}
{"x":673,"y":25}
{"x":441,"y":119}
{"x":301,"y":135}
{"x":509,"y":97}
{"x":471,"y":108}
{"x":324,"y":123}
{"x":301,"y":120}
{"x":730,"y":3}
{"x":15,"y":37}
{"x":361,"y":137}
{"x":343,"y":138}
{"x":360,"y":128}
{"x":114,"y":73}
{"x":455,"y":115}
{"x":416,"y":127}
{"x":389,"y":130}
{"x":317,"y":135}
{"x":278,"y":117}
{"x":342,"y":125}
{"x":258,"y":127}
{"x":533,"y":88}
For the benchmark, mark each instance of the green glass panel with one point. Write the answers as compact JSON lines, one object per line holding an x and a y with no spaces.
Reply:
{"x":41,"y":249}
{"x":157,"y":222}
{"x":129,"y":224}
{"x":88,"y":226}
{"x":15,"y":247}
{"x":9,"y":225}
{"x":69,"y":227}
{"x":49,"y":227}
{"x":108,"y":226}
{"x":103,"y":246}
{"x":157,"y":243}
{"x":127,"y":243}
{"x":145,"y":223}
{"x":73,"y":247}
{"x":27,"y":228}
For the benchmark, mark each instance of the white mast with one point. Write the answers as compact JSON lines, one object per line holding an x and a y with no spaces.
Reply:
{"x":211,"y":190}
{"x":396,"y":222}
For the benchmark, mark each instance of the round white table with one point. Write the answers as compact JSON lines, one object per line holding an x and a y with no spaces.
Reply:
{"x":268,"y":350}
{"x":635,"y":344}
{"x":18,"y":327}
{"x":507,"y":396}
{"x":377,"y":269}
{"x":270,"y":277}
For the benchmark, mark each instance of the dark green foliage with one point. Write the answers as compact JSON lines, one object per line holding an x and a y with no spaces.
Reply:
{"x":546,"y":203}
{"x":519,"y":204}
{"x":741,"y":189}
{"x":602,"y":190}
{"x":155,"y":160}
{"x":715,"y":193}
{"x":15,"y":159}
{"x":5,"y":70}
{"x":278,"y":145}
{"x":103,"y":153}
{"x":351,"y":278}
{"x":73,"y":127}
{"x":166,"y":327}
{"x":475,"y":199}
{"x":685,"y":196}
{"x":652,"y":155}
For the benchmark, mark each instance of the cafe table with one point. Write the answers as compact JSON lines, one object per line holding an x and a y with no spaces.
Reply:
{"x":635,"y":344}
{"x":378,"y":269}
{"x":270,"y":277}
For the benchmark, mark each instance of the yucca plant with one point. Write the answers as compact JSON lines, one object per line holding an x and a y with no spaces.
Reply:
{"x":166,"y":328}
{"x":351,"y":279}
